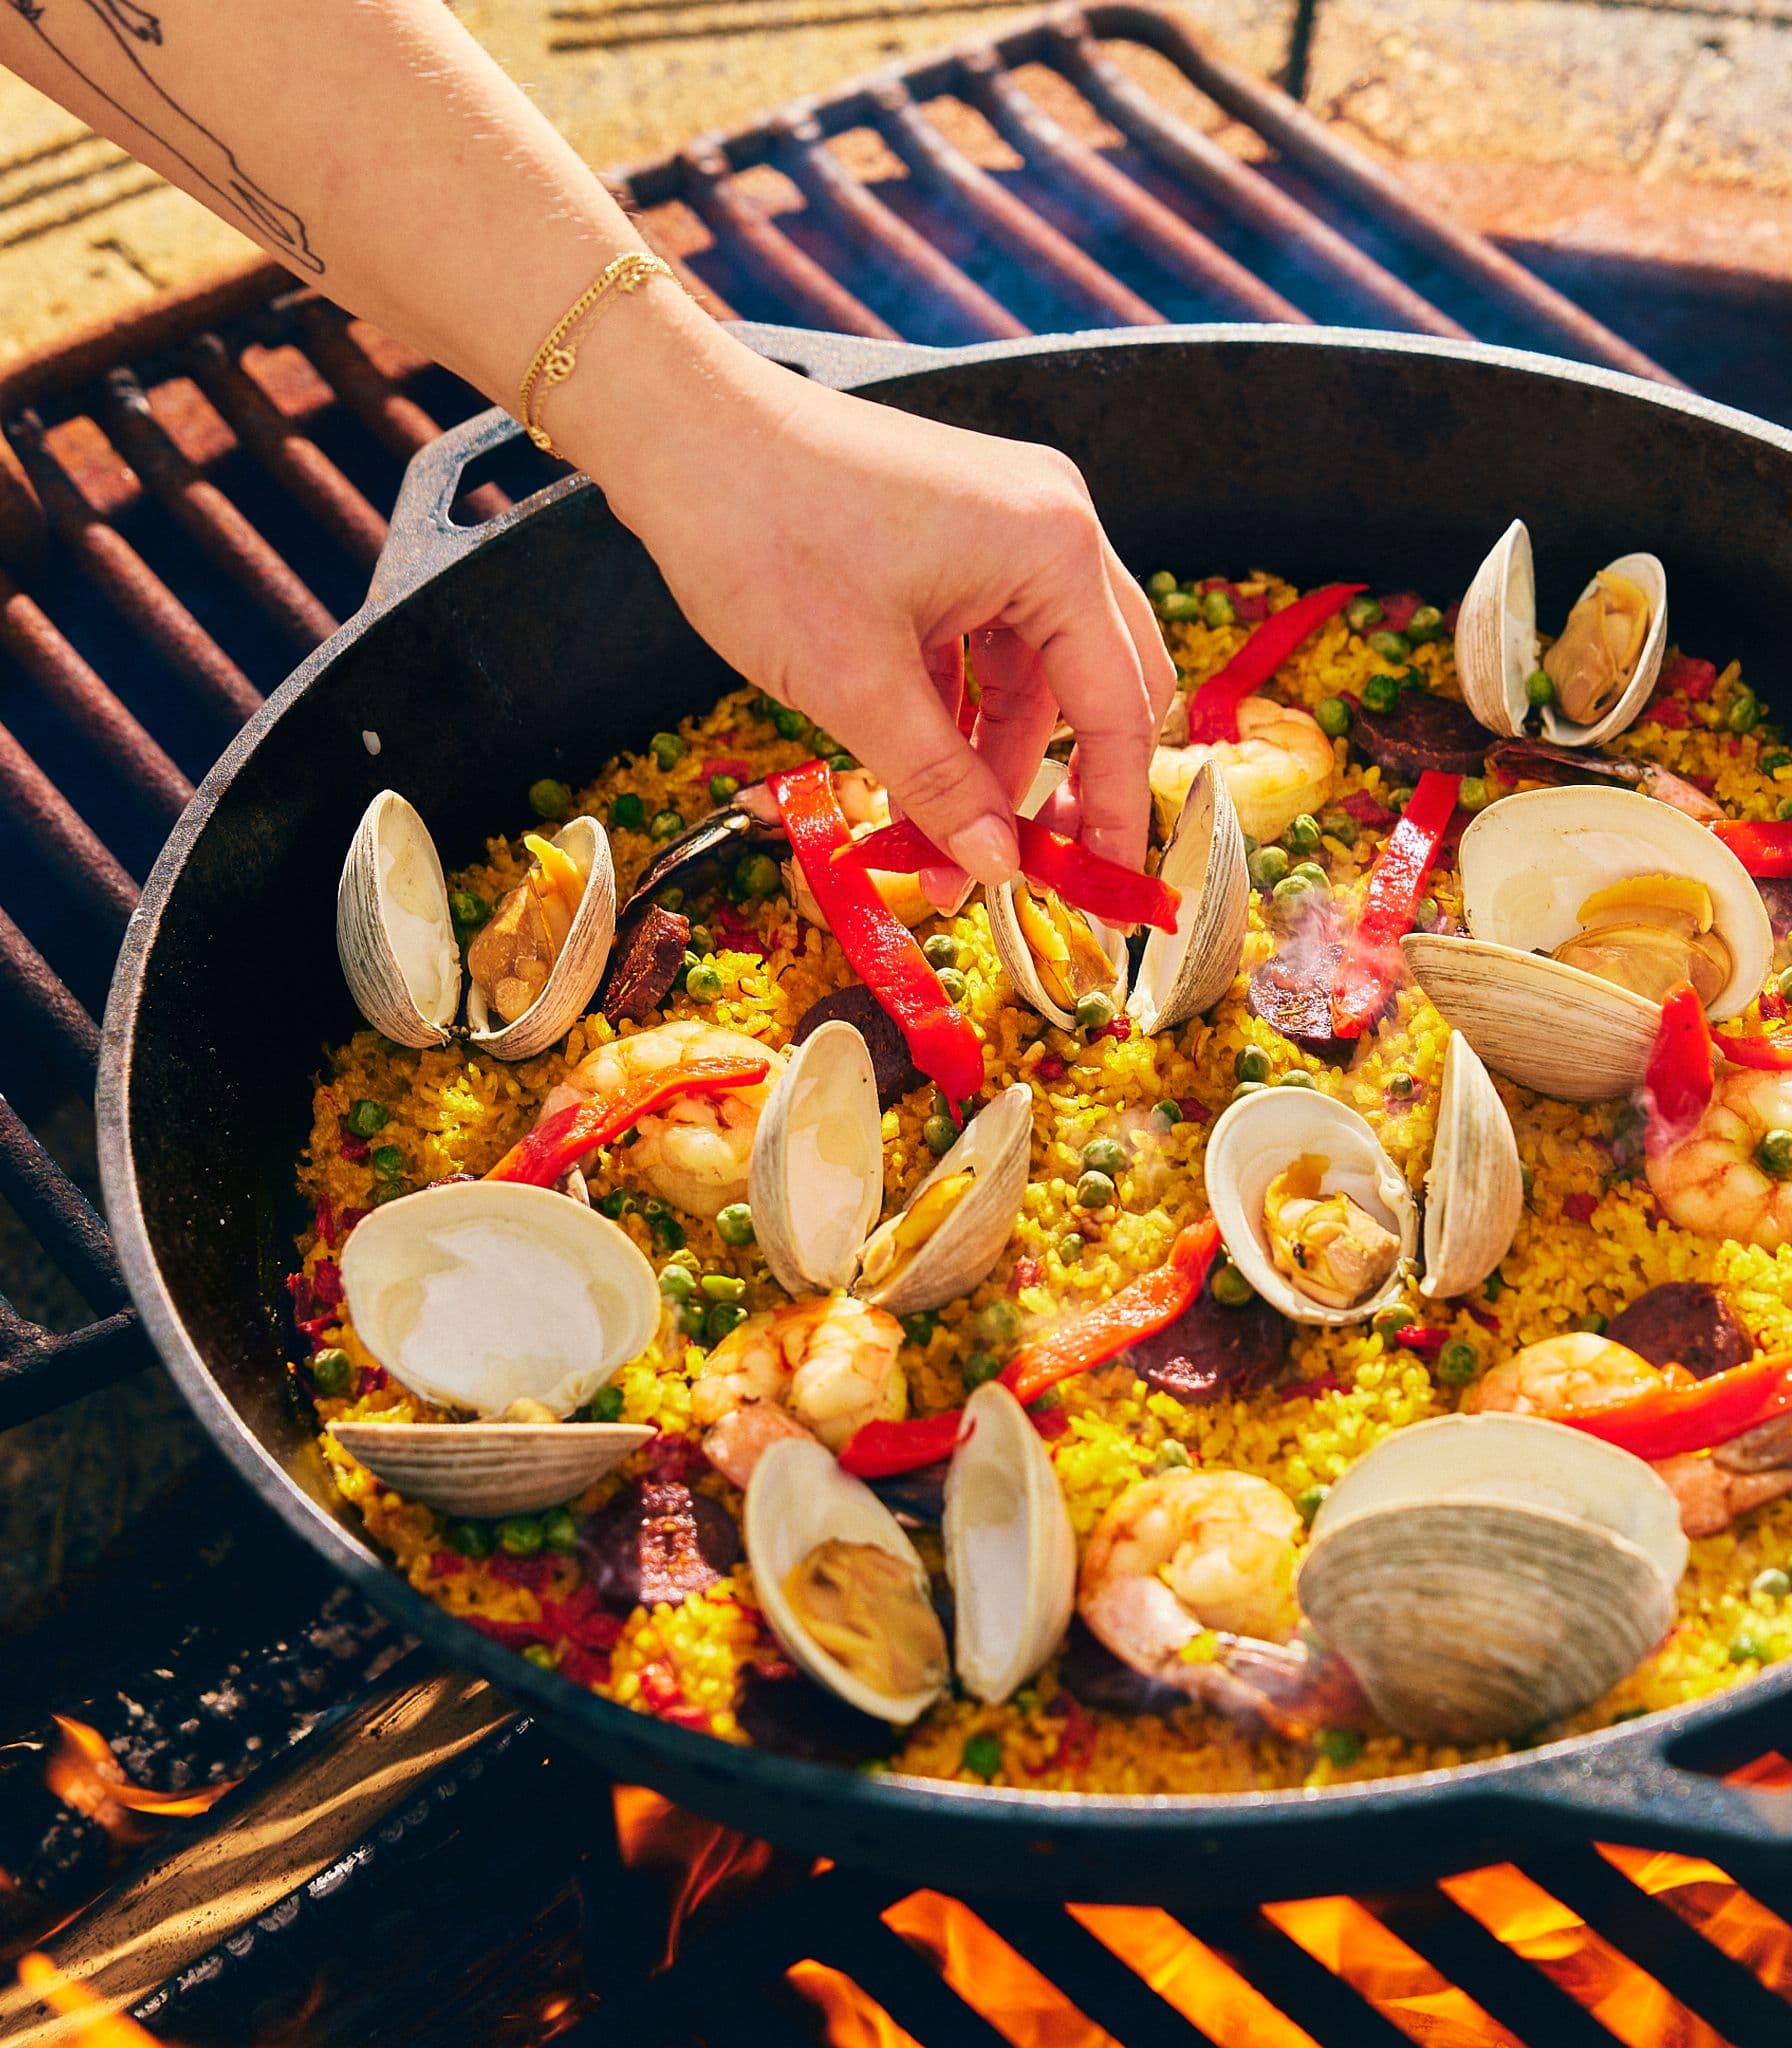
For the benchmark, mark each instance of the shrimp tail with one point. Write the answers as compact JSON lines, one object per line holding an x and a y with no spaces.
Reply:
{"x":737,"y":1442}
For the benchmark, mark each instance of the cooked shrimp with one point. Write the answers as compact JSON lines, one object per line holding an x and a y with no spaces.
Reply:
{"x":820,"y":1368}
{"x":695,"y":1152}
{"x":1581,"y":1371}
{"x":1280,"y":765}
{"x":1190,"y":1552}
{"x":1717,"y":1179}
{"x":866,"y":805}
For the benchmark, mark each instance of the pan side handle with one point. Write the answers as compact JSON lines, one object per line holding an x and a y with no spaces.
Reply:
{"x":425,"y":538}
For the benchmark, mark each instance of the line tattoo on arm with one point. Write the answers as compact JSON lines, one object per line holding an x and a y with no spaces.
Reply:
{"x":118,"y":70}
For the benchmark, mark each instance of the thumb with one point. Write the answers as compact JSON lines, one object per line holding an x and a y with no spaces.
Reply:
{"x":904,"y":734}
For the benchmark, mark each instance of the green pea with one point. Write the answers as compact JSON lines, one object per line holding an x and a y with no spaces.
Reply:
{"x":766,"y":707}
{"x":667,"y":749}
{"x":1494,"y":1285}
{"x":471,"y":1539}
{"x":541,"y":1655}
{"x":1426,"y":623}
{"x":734,"y":1224}
{"x":1458,"y":1363}
{"x":1095,"y":1012}
{"x":558,"y":1530}
{"x":1217,"y":609}
{"x":1339,"y":1745}
{"x":364,"y":1117}
{"x":1303,"y":835}
{"x":385,"y":1191}
{"x":1332,"y":715}
{"x":1399,"y":798}
{"x":1363,"y":612}
{"x":1250,"y":845}
{"x":703,"y":984}
{"x":1071,"y":1247}
{"x":1309,"y":1501}
{"x":1424,"y":914}
{"x":1783,"y":809}
{"x":842,"y":764}
{"x":1310,"y":871}
{"x":983,"y":1755}
{"x":605,"y":1405}
{"x":1172,"y":1456}
{"x":940,"y":950}
{"x":691,"y":1319}
{"x":1391,"y":646}
{"x":615,"y":1204}
{"x":919,"y":1327}
{"x":1772,"y":1584}
{"x":1167,"y":1113}
{"x":1747,"y":1648}
{"x":1528,"y":1176}
{"x":1389,"y":1322}
{"x":997,"y":1323}
{"x":1159,"y":583}
{"x":1341,"y":826}
{"x":756,"y":876}
{"x":1381,"y":693}
{"x":1774,"y":760}
{"x":1400,"y":1085}
{"x":1245,"y":1088}
{"x":1096,"y":1191}
{"x":628,"y":813}
{"x":1297,"y":1077}
{"x":1594,"y":1323}
{"x":980,"y":1367}
{"x":1231,"y":1288}
{"x":331,"y":1371}
{"x":666,"y":824}
{"x":939,"y":1134}
{"x":1178,"y":605}
{"x":1539,"y":688}
{"x":723,"y":1317}
{"x":1267,"y":866}
{"x":667,"y":1232}
{"x":723,"y":1286}
{"x":1106,"y":1155}
{"x":549,"y":799}
{"x":520,"y":1535}
{"x":387,"y":1159}
{"x":722,"y":787}
{"x":1296,"y":893}
{"x":954,"y":984}
{"x":703,"y":940}
{"x":670,"y":898}
{"x":791,"y":723}
{"x":1474,"y":793}
{"x":1774,"y":1154}
{"x":1744,"y":711}
{"x":467,"y":912}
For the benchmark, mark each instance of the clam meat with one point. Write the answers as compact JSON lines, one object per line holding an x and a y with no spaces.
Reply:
{"x":1328,"y":1244}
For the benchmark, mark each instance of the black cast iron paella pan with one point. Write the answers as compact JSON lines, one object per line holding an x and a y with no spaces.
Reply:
{"x":545,"y":641}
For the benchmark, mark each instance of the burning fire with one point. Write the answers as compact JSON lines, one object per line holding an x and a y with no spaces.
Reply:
{"x":93,"y":2022}
{"x":83,"y":1773}
{"x":704,"y":1859}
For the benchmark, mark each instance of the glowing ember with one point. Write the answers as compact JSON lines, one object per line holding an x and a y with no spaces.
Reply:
{"x":652,"y":1833}
{"x":96,"y":2025}
{"x":83,"y":1773}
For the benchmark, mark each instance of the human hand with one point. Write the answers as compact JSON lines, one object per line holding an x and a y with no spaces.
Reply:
{"x":837,"y":553}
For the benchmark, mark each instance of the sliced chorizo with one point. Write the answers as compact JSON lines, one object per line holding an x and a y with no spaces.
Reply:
{"x":644,"y":965}
{"x":1213,"y":1351}
{"x":657,"y":1541}
{"x":1684,"y":1322}
{"x":897,"y":1074}
{"x":1292,"y":993}
{"x":1422,"y":731}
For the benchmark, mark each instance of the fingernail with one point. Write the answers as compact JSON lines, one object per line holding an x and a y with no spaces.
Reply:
{"x":985,"y":849}
{"x":946,"y":889}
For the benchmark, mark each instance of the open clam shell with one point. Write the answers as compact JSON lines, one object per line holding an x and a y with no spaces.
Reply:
{"x":1474,"y":1190}
{"x":816,"y":1180}
{"x":1261,"y":1135}
{"x":579,"y":967}
{"x":1185,"y":972}
{"x":490,"y":1468}
{"x":996,"y":1146}
{"x":476,"y":1294}
{"x":1482,"y":1581}
{"x":1010,"y":1551}
{"x":798,"y":1499}
{"x":1528,"y":863}
{"x":1016,"y":955}
{"x":394,"y":935}
{"x":1497,"y":644}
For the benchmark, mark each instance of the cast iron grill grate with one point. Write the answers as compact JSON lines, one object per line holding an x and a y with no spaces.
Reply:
{"x":190,"y":501}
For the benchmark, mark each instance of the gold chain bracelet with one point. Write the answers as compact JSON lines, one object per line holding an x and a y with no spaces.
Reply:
{"x":558,"y":356}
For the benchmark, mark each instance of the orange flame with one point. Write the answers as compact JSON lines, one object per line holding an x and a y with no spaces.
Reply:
{"x":96,"y":2024}
{"x":652,"y":1833}
{"x":83,"y":1773}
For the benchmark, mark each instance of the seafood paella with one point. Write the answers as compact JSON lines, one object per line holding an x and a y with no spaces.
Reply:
{"x":1316,"y":1309}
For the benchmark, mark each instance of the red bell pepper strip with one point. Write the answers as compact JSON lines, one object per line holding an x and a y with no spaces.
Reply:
{"x":1762,"y":845}
{"x":1767,"y":1051}
{"x":1677,"y":1085}
{"x":1664,"y":1420}
{"x":885,"y":955}
{"x":1138,"y":1311}
{"x":1085,"y":880}
{"x":1213,"y":709}
{"x":880,"y":1450}
{"x":557,"y":1141}
{"x":1371,"y":960}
